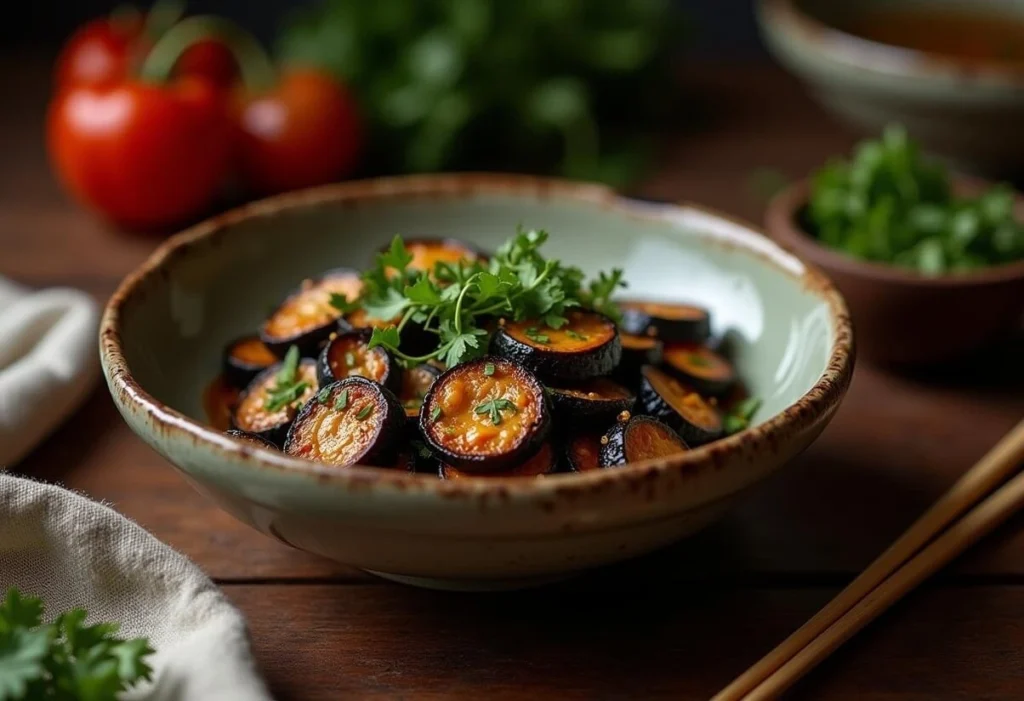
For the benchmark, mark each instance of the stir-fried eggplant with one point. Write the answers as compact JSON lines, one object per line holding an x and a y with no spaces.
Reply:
{"x":695,"y":419}
{"x":637,"y":351}
{"x":251,"y":438}
{"x":271,"y":401}
{"x":592,"y":402}
{"x":587,"y":346}
{"x":700,"y":367}
{"x":306,"y":318}
{"x":542,"y":463}
{"x":416,"y":382}
{"x":671,"y":322}
{"x":583,"y":451}
{"x":244,"y":359}
{"x":638,"y":438}
{"x":486,"y":415}
{"x":348,"y":355}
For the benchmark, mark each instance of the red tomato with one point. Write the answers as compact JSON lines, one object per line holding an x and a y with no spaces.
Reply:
{"x":99,"y":52}
{"x":143,"y":155}
{"x":210,"y":59}
{"x":303,"y":132}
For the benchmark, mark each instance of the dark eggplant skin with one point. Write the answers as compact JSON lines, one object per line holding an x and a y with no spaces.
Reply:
{"x":386,"y":444}
{"x":325,"y":375}
{"x":572,"y":410}
{"x":528,"y":445}
{"x":252,"y":438}
{"x":637,"y":351}
{"x":656,"y":319}
{"x":277,"y":433}
{"x":558,"y":366}
{"x":310,"y":340}
{"x":675,"y":361}
{"x":614,"y":443}
{"x":237,"y":371}
{"x":544,"y":462}
{"x":654,"y":403}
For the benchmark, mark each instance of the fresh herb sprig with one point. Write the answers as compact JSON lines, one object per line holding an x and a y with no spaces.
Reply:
{"x":455,"y":300}
{"x":738,"y":417}
{"x":66,"y":659}
{"x":493,"y":408}
{"x":289,"y":388}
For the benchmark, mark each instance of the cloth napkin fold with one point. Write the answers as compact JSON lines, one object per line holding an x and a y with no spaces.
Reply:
{"x":48,"y":362}
{"x":76,"y":553}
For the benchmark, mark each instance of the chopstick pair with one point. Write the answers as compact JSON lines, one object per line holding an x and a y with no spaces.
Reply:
{"x":929,"y":544}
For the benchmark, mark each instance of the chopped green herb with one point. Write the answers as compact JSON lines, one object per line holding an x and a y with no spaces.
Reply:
{"x":698,"y":361}
{"x":435,"y":414}
{"x":738,"y":417}
{"x":343,"y":304}
{"x":289,"y":367}
{"x":889,"y":204}
{"x":280,"y":397}
{"x":365,"y":411}
{"x":489,"y":369}
{"x":342,"y":401}
{"x":324,"y":395}
{"x":350,"y":359}
{"x":493,"y":409}
{"x":574,"y":335}
{"x":421,"y":449}
{"x":534,"y":334}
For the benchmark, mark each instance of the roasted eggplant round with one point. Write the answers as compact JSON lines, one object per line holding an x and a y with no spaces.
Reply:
{"x":695,"y":419}
{"x":270,"y":403}
{"x":258,"y":441}
{"x":637,"y":438}
{"x":416,"y":382}
{"x":353,"y":421}
{"x":583,"y":451}
{"x":587,"y":346}
{"x":306,"y":318}
{"x":671,"y":322}
{"x":245,"y":358}
{"x":486,"y":415}
{"x":637,"y":351}
{"x":349,"y":355}
{"x":219,"y":401}
{"x":591,"y":403}
{"x":699,"y":367}
{"x":542,"y":463}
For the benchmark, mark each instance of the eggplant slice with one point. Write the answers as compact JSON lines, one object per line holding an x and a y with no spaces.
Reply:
{"x":542,"y":463}
{"x":244,"y":359}
{"x":592,"y":403}
{"x":486,"y":415}
{"x":252,"y":438}
{"x":428,"y":252}
{"x":696,"y":419}
{"x":583,"y":451}
{"x":269,"y":404}
{"x":587,"y":346}
{"x":416,"y":382}
{"x":306,"y":318}
{"x":637,"y":351}
{"x":349,"y":355}
{"x":353,"y":421}
{"x":637,"y":438}
{"x":701,"y":368}
{"x":671,"y":322}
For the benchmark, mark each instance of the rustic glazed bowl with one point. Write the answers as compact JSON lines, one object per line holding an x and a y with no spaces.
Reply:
{"x":163,"y":330}
{"x":968,"y":112}
{"x":903,"y":318}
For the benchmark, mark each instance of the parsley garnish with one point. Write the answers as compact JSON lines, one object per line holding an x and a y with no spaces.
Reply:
{"x":289,"y":389}
{"x":342,"y":303}
{"x":342,"y":401}
{"x":698,"y":361}
{"x":738,"y":417}
{"x":324,"y":395}
{"x":489,"y":369}
{"x":574,"y":335}
{"x":494,"y":407}
{"x":364,"y":412}
{"x":534,"y":334}
{"x":66,"y":658}
{"x":435,"y":414}
{"x":453,"y":301}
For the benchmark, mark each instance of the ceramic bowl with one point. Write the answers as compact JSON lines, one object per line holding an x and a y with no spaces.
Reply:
{"x":903,"y":318}
{"x":163,"y":330}
{"x":967,"y":112}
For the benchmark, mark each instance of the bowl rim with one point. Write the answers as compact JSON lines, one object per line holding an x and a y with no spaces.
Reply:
{"x":889,"y":59}
{"x":815,"y":405}
{"x":781,"y":224}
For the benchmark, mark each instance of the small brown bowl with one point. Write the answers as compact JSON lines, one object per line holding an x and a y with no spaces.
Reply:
{"x":903,"y":318}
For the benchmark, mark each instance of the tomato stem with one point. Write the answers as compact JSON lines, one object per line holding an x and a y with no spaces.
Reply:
{"x":163,"y":15}
{"x":125,"y":18}
{"x":257,"y":71}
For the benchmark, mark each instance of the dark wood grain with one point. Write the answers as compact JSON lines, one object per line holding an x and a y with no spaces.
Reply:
{"x":679,"y":623}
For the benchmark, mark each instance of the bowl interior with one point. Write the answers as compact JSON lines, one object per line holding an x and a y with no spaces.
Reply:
{"x":777,"y":327}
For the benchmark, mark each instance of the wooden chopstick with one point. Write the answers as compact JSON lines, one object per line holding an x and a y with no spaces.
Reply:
{"x":988,"y":473}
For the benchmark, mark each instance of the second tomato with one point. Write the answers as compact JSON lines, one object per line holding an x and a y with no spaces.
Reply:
{"x":303,"y":132}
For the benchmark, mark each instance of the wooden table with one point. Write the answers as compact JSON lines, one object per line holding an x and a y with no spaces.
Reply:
{"x":678,"y":624}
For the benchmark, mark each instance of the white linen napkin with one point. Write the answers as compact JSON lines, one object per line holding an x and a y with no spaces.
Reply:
{"x":75,"y":553}
{"x":48,"y":363}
